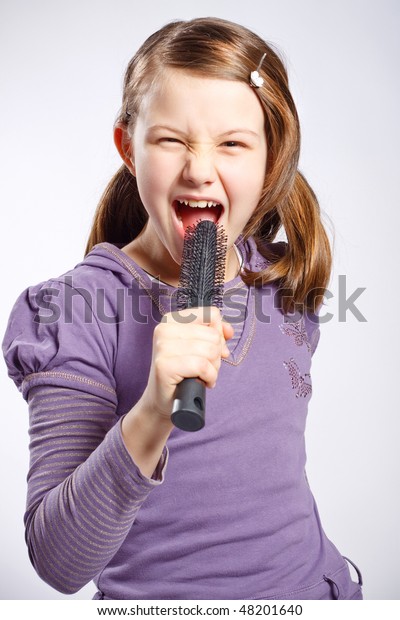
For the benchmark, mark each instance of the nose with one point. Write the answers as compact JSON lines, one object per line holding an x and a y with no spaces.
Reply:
{"x":199,"y":168}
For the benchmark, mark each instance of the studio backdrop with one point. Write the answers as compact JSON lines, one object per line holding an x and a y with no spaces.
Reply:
{"x":62,"y":65}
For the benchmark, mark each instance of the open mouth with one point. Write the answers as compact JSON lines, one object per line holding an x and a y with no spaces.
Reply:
{"x":189,"y":212}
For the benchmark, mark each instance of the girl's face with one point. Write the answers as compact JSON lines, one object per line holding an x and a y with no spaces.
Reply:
{"x":197,"y":139}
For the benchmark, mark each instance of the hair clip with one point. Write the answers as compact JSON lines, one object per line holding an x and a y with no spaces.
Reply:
{"x":255,"y":78}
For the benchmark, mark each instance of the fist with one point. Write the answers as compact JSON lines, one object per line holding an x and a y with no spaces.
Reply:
{"x":188,"y":343}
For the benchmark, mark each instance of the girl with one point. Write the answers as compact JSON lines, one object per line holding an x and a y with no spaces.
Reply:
{"x":207,"y":130}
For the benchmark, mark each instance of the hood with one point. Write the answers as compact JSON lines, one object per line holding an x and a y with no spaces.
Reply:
{"x":109,"y":257}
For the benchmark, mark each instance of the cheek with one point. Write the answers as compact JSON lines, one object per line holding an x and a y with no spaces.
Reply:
{"x":159,"y":168}
{"x":256,"y":176}
{"x":152,"y":174}
{"x":244,"y":179}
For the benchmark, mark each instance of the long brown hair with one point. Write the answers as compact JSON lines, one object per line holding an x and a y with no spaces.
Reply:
{"x":217,"y":48}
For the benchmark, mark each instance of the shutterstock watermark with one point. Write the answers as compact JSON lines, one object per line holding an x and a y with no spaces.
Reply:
{"x":345,"y":303}
{"x":142,"y":305}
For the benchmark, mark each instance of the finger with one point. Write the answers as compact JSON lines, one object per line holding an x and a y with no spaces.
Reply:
{"x":227,"y":334}
{"x":228,"y":330}
{"x":206,"y":315}
{"x":173,"y":337}
{"x":190,"y":323}
{"x":211,"y":317}
{"x":176,"y":332}
{"x":169,"y":349}
{"x":184,"y":367}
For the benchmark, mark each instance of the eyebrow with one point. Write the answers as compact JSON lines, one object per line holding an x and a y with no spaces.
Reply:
{"x":225,"y":133}
{"x":240,"y":130}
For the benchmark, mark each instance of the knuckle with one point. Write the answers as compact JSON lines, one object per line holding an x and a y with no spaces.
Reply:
{"x":215,"y":312}
{"x":159,"y":332}
{"x":216,"y":334}
{"x":157,"y":343}
{"x":203,"y":365}
{"x":159,"y":365}
{"x":160,"y":348}
{"x":215,"y":351}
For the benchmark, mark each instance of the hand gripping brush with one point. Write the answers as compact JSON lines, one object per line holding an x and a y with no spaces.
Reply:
{"x":201,"y":284}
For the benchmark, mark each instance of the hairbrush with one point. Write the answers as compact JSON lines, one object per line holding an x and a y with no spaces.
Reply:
{"x":201,"y":284}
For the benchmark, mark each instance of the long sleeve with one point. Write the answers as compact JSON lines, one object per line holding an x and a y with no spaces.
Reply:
{"x":84,"y":490}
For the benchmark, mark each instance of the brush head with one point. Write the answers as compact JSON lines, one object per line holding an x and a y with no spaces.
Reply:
{"x":203,"y":266}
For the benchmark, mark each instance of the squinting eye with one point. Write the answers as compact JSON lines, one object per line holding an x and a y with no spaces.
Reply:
{"x":232,"y":143}
{"x":169,"y":140}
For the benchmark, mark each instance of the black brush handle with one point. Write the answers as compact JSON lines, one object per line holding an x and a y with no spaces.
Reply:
{"x":201,"y":284}
{"x":189,"y":407}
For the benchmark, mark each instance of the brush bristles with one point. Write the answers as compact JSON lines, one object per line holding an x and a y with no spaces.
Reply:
{"x":203,"y":266}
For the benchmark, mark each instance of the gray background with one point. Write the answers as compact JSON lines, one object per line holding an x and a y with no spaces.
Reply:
{"x":62,"y":65}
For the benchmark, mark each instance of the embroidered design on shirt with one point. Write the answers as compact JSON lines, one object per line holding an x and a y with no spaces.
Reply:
{"x":298,"y":380}
{"x":297,"y":331}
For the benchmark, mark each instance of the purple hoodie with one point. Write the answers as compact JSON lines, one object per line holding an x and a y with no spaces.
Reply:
{"x":228,"y":513}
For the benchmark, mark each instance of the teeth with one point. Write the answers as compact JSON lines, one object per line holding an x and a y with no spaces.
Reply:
{"x":199,"y":204}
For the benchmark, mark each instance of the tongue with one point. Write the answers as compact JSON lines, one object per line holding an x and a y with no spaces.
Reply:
{"x":191,"y":215}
